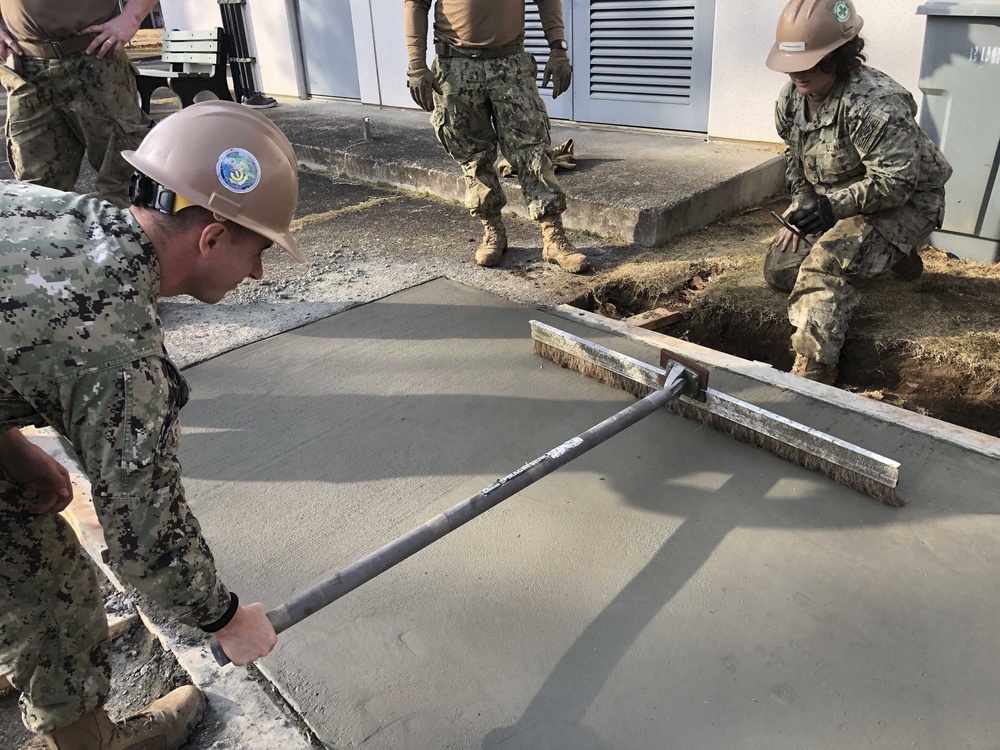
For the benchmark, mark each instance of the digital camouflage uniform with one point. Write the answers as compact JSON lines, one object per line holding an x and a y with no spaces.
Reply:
{"x":489,"y":102}
{"x":59,"y":108}
{"x":885,"y":181}
{"x":81,"y":350}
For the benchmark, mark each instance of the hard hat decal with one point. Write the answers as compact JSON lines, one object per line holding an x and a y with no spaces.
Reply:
{"x":238,"y":170}
{"x":842,"y":11}
{"x":792,"y":46}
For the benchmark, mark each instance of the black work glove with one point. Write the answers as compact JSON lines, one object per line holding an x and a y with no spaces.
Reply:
{"x":422,"y":85}
{"x":814,"y":216}
{"x":559,"y":71}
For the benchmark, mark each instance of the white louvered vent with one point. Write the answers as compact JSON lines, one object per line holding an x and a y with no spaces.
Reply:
{"x":642,"y":49}
{"x":534,"y":38}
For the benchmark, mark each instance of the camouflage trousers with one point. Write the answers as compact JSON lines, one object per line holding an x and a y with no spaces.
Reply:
{"x":54,"y":642}
{"x":824,"y":281}
{"x":489,"y":103}
{"x":59,"y":109}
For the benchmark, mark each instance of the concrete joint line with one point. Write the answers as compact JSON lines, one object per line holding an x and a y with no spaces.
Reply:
{"x":316,"y":218}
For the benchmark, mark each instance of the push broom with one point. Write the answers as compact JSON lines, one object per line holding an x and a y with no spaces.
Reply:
{"x":678,"y":383}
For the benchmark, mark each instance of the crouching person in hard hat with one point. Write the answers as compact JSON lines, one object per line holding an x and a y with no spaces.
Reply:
{"x":867,"y":183}
{"x":82,"y":351}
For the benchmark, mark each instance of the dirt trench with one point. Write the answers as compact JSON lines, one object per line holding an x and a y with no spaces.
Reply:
{"x":892,"y":372}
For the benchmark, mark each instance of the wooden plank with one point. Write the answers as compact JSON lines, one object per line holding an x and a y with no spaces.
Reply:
{"x":656,"y":319}
{"x":977,"y":442}
{"x":199,"y":58}
{"x":794,"y":434}
{"x":210,"y":46}
{"x":192,"y":36}
{"x":157,"y":73}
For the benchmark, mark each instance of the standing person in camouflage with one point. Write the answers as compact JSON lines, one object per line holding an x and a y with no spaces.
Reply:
{"x":82,"y":350}
{"x":71,"y":89}
{"x":867,"y":183}
{"x":482,"y":93}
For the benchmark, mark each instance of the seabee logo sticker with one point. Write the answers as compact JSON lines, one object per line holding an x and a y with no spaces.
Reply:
{"x":238,"y":170}
{"x":842,"y":11}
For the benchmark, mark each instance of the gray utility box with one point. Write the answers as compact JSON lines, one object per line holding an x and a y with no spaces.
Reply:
{"x":960,"y":78}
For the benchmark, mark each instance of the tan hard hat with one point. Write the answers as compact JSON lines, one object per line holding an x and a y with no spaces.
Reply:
{"x":809,"y":30}
{"x":230,"y":159}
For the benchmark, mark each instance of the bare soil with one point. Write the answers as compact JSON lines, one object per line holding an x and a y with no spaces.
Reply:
{"x":931,"y":346}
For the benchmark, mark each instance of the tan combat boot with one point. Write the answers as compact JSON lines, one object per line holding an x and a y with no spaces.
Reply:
{"x":556,"y":247}
{"x":163,"y":725}
{"x":494,"y":243}
{"x":810,"y":369}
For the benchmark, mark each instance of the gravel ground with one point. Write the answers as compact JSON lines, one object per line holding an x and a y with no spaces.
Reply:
{"x":373,"y":243}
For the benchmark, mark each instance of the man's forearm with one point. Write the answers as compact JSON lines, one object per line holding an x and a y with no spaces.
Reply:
{"x":415,"y":20}
{"x":11,"y":440}
{"x":551,"y":15}
{"x":137,"y":9}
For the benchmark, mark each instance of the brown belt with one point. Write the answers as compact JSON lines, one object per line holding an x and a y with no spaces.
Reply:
{"x":57,"y":50}
{"x":476,"y":53}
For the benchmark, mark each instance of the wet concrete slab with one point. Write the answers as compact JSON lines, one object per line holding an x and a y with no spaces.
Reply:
{"x":672,"y":588}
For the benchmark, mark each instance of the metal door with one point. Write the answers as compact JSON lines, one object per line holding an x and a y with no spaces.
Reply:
{"x":331,"y":62}
{"x":646,"y":63}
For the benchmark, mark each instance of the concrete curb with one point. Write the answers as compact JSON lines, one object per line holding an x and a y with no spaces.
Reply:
{"x":647,"y":227}
{"x":621,"y":222}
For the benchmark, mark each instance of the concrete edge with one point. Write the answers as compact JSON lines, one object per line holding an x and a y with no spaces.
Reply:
{"x":657,"y":225}
{"x":241,"y":703}
{"x":961,"y":437}
{"x":581,"y":215}
{"x":647,"y":227}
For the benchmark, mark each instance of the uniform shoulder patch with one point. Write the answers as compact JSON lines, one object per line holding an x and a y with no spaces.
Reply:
{"x":870,"y":131}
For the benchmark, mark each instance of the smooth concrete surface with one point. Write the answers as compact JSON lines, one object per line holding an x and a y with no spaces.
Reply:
{"x":673,"y":588}
{"x":644,"y":187}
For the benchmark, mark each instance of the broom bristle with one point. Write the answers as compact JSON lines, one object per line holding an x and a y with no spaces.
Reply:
{"x":873,"y":488}
{"x":592,"y":371}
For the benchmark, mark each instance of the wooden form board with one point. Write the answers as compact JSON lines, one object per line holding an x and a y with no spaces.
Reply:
{"x":761,"y":372}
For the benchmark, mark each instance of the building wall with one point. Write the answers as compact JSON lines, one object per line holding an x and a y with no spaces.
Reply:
{"x":267,"y":27}
{"x":744,"y":90}
{"x":378,"y":30}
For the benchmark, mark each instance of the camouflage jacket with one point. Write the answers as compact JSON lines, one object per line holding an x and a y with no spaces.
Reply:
{"x":81,"y":350}
{"x":864,"y":150}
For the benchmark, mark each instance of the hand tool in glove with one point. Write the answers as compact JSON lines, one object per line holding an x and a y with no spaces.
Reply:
{"x":814,"y":216}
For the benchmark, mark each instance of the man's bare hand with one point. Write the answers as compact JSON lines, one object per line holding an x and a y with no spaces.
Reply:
{"x":248,"y":636}
{"x":8,"y":44}
{"x":112,"y":36}
{"x":43,"y":481}
{"x":785,"y":238}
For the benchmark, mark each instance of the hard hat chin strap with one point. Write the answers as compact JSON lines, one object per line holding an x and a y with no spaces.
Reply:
{"x":146,"y":192}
